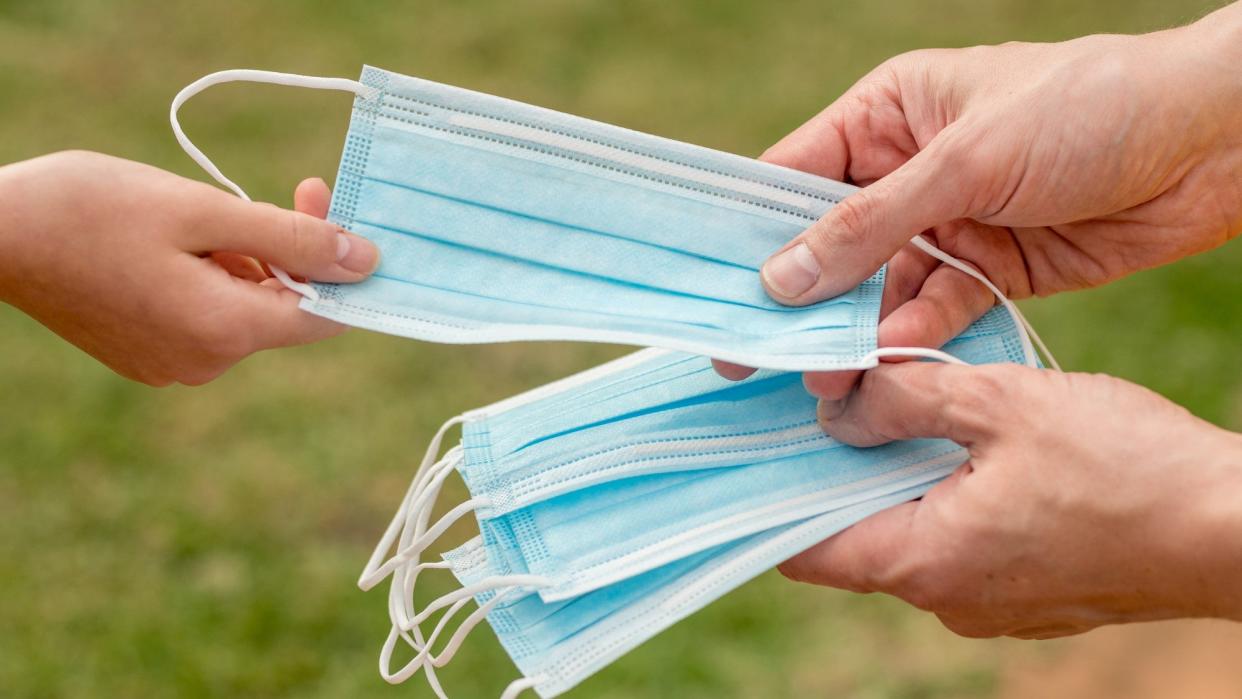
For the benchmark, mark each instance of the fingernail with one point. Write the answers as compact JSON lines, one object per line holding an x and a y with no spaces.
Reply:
{"x":356,"y":254}
{"x":829,"y":410}
{"x":792,"y":272}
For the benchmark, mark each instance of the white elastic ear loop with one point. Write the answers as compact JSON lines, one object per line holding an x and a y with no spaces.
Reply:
{"x":401,"y":597}
{"x":925,"y":352}
{"x":401,"y":607}
{"x":416,"y":485}
{"x":414,"y":637}
{"x":520,"y":685}
{"x":255,"y":76}
{"x":424,"y":656}
{"x":427,"y":657}
{"x":466,"y":592}
{"x":400,"y":521}
{"x":455,"y":601}
{"x":401,"y":593}
{"x":420,"y":543}
{"x":404,"y":579}
{"x":1026,"y":332}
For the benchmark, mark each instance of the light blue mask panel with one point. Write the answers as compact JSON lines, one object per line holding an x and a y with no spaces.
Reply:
{"x":501,"y":221}
{"x":685,"y":474}
{"x":687,"y":416}
{"x":669,"y":398}
{"x":558,"y":644}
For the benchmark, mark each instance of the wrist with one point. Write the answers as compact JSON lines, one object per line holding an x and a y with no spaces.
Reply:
{"x":1219,"y":35}
{"x":9,"y":226}
{"x":38,"y":194}
{"x":1211,"y":543}
{"x":1204,"y":59}
{"x":1225,"y":529}
{"x":1191,"y":84}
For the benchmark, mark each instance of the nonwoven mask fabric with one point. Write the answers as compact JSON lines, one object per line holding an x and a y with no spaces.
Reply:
{"x":678,"y":458}
{"x":500,"y":221}
{"x":677,"y":489}
{"x":556,"y":645}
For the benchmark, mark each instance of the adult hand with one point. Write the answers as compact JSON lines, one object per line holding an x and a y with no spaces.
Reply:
{"x":1086,"y":501}
{"x":157,"y":276}
{"x":1048,"y":166}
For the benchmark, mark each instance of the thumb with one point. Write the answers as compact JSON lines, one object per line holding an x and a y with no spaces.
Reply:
{"x":872,"y":555}
{"x":296,"y":242}
{"x":861,"y":233}
{"x":914,"y":400}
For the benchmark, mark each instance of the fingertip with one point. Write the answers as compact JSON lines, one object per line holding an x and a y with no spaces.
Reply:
{"x":730,"y":371}
{"x":830,"y":385}
{"x":828,"y":410}
{"x":312,"y":196}
{"x":356,"y":254}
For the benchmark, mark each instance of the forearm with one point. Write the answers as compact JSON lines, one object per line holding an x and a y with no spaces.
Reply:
{"x":1211,"y":49}
{"x":1219,"y":548}
{"x":1222,"y":32}
{"x":39,"y":196}
{"x":1193,"y":77}
{"x":1214,"y":45}
{"x":8,"y":226}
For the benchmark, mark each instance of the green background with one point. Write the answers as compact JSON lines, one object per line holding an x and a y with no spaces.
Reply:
{"x":205,"y":542}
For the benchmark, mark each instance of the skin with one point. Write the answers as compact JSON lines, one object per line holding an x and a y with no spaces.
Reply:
{"x":159,"y":277}
{"x":1086,"y":500}
{"x":1050,"y":167}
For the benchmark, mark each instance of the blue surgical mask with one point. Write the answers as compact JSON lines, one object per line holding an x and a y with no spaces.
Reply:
{"x":556,"y":645}
{"x":501,"y":221}
{"x":557,"y":543}
{"x":676,"y":457}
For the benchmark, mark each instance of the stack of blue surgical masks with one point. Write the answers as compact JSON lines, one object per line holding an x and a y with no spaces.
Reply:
{"x":615,"y":502}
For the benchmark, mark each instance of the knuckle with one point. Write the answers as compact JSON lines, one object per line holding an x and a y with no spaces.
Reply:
{"x":849,"y":225}
{"x":75,"y":156}
{"x":977,"y":399}
{"x":903,"y":63}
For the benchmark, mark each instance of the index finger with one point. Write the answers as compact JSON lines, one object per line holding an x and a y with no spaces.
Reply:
{"x":878,"y":553}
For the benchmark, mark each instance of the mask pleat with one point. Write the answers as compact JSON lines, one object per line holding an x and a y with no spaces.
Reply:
{"x":498,"y":222}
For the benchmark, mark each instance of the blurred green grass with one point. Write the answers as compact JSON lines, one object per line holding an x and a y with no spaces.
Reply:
{"x":205,"y":542}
